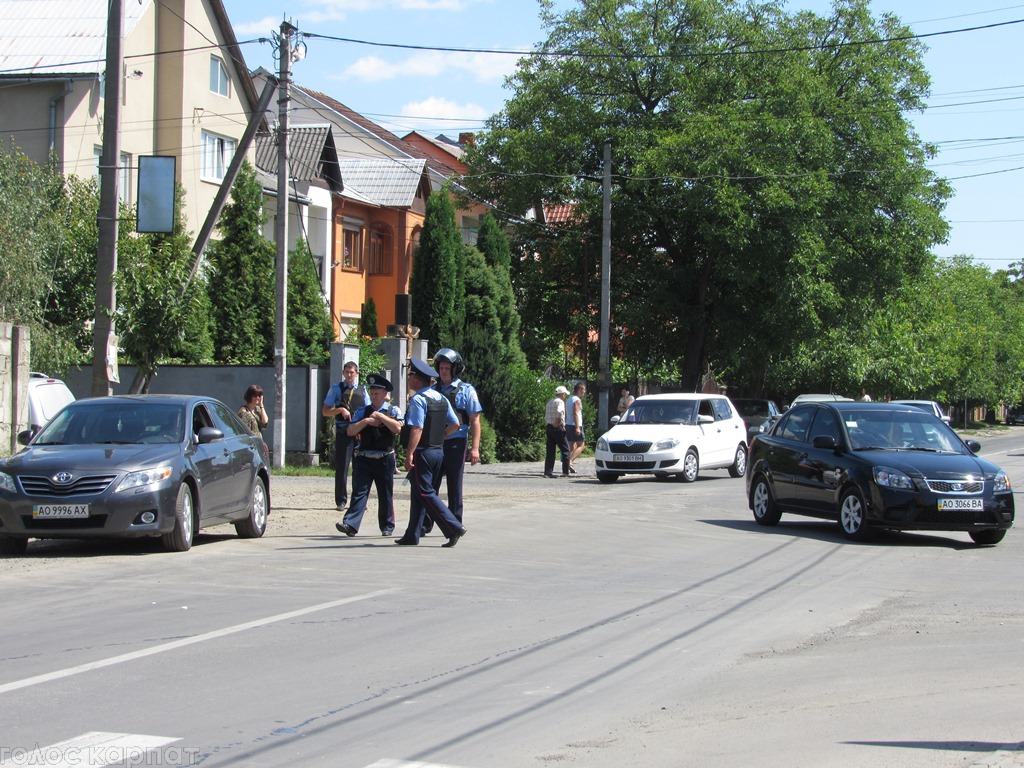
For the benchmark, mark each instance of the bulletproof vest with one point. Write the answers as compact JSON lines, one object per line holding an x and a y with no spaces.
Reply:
{"x":351,"y":397}
{"x":376,"y":438}
{"x":435,"y":423}
{"x":463,"y":415}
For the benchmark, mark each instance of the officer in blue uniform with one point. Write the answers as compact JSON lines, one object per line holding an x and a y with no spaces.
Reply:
{"x":375,"y":425}
{"x":466,"y":402}
{"x":429,"y":418}
{"x":343,"y":399}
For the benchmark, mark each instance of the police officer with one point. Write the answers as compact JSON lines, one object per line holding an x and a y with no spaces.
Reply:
{"x":376,"y":425}
{"x":429,"y":419}
{"x":466,"y":403}
{"x":343,"y":399}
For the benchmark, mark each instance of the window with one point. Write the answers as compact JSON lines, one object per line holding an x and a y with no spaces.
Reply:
{"x":379,"y":262}
{"x":124,"y":179}
{"x":219,"y":81}
{"x":217,"y":154}
{"x":352,"y":258}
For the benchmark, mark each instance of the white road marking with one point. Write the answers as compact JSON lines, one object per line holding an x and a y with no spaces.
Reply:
{"x":174,"y":645}
{"x":389,"y":763}
{"x":90,"y":750}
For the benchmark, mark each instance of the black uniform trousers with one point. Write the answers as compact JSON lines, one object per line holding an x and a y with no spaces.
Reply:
{"x":380,"y":472}
{"x":556,"y":439}
{"x":425,"y":501}
{"x":343,"y":445}
{"x":453,"y":469}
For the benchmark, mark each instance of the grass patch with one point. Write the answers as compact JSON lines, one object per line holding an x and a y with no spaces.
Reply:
{"x":289,"y":471}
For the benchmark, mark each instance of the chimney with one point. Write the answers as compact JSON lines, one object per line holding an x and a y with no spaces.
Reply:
{"x":467,"y":139}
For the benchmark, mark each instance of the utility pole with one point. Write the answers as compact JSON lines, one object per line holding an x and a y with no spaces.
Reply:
{"x":604,"y":353}
{"x":106,"y":219}
{"x":286,"y":53}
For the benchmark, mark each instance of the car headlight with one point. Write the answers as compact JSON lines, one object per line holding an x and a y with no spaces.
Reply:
{"x":602,"y":444}
{"x":7,"y":483}
{"x":1002,"y":481}
{"x":893,"y":478}
{"x":143,"y":478}
{"x":664,"y":445}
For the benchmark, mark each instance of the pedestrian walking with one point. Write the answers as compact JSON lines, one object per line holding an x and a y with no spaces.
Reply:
{"x":375,"y":425}
{"x":428,"y":420}
{"x":343,"y":399}
{"x":574,"y":424}
{"x":554,"y":419}
{"x":466,"y":439}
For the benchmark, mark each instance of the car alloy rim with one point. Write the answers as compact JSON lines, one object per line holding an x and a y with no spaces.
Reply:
{"x":760,"y":499}
{"x":259,"y":505}
{"x":690,"y":465}
{"x":741,"y":460}
{"x":186,"y":515}
{"x":852,"y":514}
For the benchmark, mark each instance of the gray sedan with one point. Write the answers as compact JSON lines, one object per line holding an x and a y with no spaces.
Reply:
{"x":135,"y":465}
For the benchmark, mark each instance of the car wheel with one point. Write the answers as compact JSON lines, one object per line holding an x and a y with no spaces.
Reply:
{"x":853,"y":522}
{"x":691,"y":466}
{"x":13,"y":545}
{"x":990,"y":536}
{"x":180,"y":539}
{"x":763,"y":503}
{"x":739,"y":465}
{"x":607,"y":477}
{"x":255,"y":524}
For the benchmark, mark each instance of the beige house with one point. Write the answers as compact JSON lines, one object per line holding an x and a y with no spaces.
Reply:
{"x":186,"y":91}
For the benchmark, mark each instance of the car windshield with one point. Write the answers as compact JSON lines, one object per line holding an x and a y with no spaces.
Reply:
{"x":902,"y":430}
{"x":85,"y":423}
{"x":752,"y":407}
{"x":661,"y":412}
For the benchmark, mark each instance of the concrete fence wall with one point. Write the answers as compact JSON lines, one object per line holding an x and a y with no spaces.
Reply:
{"x":14,"y":369}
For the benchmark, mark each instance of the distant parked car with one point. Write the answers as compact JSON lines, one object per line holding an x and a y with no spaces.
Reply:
{"x":1015,"y":416}
{"x":755,"y":412}
{"x":46,"y":396}
{"x":876,"y":465}
{"x":930,"y":406}
{"x":820,"y":398}
{"x":132,"y":466}
{"x":674,"y":436}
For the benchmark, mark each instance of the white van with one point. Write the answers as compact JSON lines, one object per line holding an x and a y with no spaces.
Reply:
{"x":46,"y":396}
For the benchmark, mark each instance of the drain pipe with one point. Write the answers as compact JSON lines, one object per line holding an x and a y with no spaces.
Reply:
{"x":69,"y":86}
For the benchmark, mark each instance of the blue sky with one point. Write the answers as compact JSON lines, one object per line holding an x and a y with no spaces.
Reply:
{"x":975,"y":113}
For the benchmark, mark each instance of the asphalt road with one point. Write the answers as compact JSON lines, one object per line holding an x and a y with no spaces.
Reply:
{"x":577,"y":624}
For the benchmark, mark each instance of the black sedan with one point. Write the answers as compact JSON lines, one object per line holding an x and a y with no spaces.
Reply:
{"x":136,"y":465}
{"x":876,"y":465}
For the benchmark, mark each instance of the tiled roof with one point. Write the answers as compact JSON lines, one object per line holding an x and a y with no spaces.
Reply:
{"x":385,"y":181}
{"x":382,"y":133}
{"x":559,"y":213}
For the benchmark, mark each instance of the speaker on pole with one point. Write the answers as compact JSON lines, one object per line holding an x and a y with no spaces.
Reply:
{"x":403,"y":309}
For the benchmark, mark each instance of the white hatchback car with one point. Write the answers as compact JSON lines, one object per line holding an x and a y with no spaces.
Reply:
{"x":674,"y":435}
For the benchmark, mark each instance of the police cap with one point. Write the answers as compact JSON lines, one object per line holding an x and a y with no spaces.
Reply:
{"x":376,"y":381}
{"x":422,"y":368}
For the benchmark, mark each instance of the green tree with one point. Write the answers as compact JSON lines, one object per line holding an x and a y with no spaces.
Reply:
{"x":156,"y":305}
{"x":368,"y":319}
{"x":310,"y":331}
{"x":241,"y":272}
{"x":751,"y":149}
{"x":494,"y":245}
{"x":437,"y":281}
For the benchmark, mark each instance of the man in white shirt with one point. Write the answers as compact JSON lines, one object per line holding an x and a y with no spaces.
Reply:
{"x":554,"y":418}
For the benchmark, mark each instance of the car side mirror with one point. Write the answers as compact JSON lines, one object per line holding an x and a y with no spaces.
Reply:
{"x":615,"y":419}
{"x":703,"y":419}
{"x":974,"y":445}
{"x":25,"y":436}
{"x":209,"y":435}
{"x":824,"y":442}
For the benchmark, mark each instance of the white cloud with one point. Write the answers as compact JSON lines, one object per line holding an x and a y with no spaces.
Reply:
{"x":483,"y":68}
{"x":437,"y":110}
{"x":264,"y":26}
